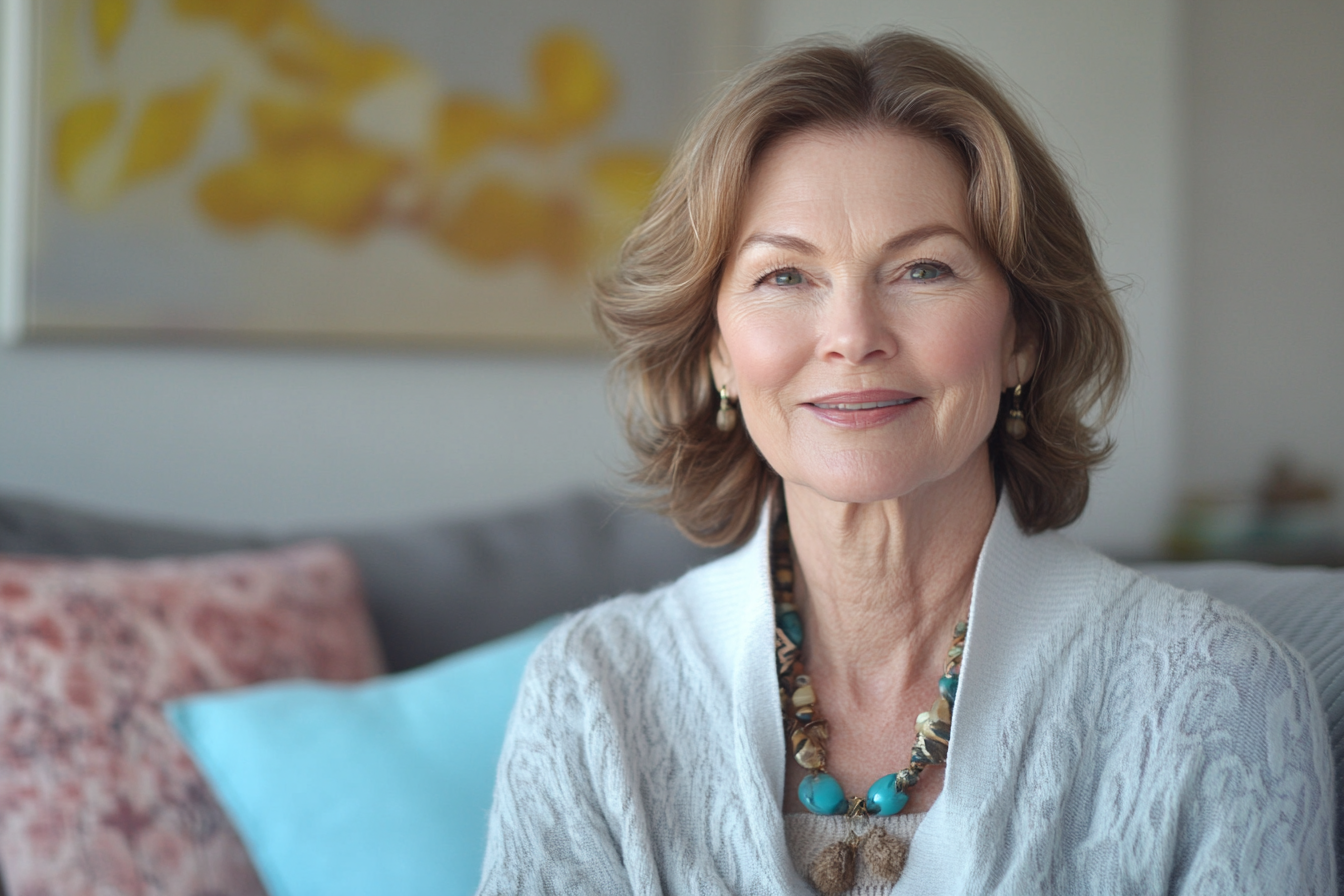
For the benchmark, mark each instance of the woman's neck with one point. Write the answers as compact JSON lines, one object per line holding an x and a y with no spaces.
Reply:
{"x":881,"y":585}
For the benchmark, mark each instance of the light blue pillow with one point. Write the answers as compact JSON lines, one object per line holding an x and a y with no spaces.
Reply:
{"x":376,"y":788}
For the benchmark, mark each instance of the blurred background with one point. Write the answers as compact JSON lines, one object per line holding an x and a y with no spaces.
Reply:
{"x":1204,"y":137}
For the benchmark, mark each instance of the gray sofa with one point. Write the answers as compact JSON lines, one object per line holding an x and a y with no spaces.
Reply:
{"x":435,"y":587}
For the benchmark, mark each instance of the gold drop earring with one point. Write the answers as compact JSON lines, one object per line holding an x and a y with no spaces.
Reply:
{"x":1017,"y":423}
{"x":726,"y":418}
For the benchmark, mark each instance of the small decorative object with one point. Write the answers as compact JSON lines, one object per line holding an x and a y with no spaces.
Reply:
{"x":832,"y":872}
{"x":1288,"y":518}
{"x":885,"y":854}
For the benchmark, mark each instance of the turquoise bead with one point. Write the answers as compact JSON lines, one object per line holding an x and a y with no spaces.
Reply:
{"x":822,"y":795}
{"x":792,"y":627}
{"x":884,"y":798}
{"x":947,"y":687}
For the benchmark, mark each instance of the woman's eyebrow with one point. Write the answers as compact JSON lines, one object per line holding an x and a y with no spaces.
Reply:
{"x":919,"y":235}
{"x":895,"y":244}
{"x":780,"y":241}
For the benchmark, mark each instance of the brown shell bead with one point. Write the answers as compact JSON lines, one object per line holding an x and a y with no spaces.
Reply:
{"x":937,"y":732}
{"x":927,"y":751}
{"x":810,"y":754}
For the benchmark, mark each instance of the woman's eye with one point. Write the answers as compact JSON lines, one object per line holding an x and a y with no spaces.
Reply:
{"x":927,"y":271}
{"x":786,"y":278}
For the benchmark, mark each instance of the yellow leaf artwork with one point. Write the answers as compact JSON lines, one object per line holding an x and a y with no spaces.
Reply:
{"x":110,"y":18}
{"x":410,"y":171}
{"x":251,"y":17}
{"x":170,"y":126}
{"x":311,"y":167}
{"x":79,"y":132}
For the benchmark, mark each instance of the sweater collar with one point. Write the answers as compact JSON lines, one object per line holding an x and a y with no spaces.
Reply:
{"x":1014,"y":601}
{"x":1013,"y":571}
{"x":743,"y":621}
{"x":1025,"y":586}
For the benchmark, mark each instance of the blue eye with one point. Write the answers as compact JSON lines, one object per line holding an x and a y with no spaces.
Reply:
{"x":927,"y":271}
{"x":786,"y":278}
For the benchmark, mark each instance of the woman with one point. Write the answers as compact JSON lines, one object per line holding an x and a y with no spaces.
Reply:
{"x":865,"y":336}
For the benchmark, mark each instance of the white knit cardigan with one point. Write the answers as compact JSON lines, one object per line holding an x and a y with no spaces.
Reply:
{"x":1112,"y":735}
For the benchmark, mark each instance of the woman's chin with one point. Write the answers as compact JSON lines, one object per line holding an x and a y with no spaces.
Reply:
{"x":847,"y":491}
{"x":885,"y":478}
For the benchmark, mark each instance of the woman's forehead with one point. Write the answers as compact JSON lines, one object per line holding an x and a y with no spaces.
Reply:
{"x":872,"y":183}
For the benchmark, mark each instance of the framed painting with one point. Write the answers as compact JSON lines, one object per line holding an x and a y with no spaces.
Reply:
{"x":406,"y":171}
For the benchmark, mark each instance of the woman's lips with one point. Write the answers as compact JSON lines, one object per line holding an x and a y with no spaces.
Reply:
{"x":862,"y":410}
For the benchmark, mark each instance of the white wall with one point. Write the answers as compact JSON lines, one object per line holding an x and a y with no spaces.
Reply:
{"x":1103,"y":80}
{"x":1266,"y":311}
{"x":283,"y":437}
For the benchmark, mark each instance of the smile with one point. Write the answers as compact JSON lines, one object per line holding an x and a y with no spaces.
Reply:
{"x":862,"y":406}
{"x":868,"y":409}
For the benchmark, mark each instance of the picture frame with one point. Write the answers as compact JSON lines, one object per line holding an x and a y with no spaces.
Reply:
{"x":332,"y":171}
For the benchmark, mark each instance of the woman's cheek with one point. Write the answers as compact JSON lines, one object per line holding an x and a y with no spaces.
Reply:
{"x":767,"y":351}
{"x":962,"y":347}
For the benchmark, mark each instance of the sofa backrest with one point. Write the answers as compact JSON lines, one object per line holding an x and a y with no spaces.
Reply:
{"x":438,"y":587}
{"x":433,"y":587}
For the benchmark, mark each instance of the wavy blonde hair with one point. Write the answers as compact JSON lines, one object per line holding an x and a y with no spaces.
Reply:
{"x":657,"y":307}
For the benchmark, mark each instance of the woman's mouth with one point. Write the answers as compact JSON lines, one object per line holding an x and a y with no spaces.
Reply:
{"x":862,"y":410}
{"x":861,"y":405}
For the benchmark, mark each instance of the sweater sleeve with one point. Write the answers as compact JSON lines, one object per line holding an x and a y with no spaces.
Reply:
{"x":1258,"y":815}
{"x":548,"y":828}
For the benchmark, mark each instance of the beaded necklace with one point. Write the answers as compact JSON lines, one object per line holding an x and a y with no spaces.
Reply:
{"x":807,"y":732}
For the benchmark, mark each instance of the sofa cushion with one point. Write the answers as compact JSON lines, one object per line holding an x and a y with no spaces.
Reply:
{"x":380,"y":787}
{"x":96,"y":793}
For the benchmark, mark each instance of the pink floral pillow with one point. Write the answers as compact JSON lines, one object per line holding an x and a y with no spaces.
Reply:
{"x":96,"y":793}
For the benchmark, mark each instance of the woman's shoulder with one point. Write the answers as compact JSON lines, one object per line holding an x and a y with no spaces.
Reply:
{"x":1114,"y":617}
{"x":1152,"y":609}
{"x":1179,"y":642}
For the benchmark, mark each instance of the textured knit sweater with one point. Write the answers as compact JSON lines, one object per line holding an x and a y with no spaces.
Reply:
{"x":1111,"y":735}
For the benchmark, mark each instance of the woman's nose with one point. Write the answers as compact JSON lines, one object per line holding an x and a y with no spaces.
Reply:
{"x":854,"y":329}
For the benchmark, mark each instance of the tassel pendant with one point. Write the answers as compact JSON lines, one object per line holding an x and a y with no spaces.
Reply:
{"x":884,"y":854}
{"x":832,"y":871}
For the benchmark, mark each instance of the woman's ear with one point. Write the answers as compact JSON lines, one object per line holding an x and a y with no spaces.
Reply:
{"x":1021,"y":352}
{"x":721,"y":365}
{"x":1022,"y":364}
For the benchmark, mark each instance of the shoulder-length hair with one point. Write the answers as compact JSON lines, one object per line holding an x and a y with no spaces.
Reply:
{"x":657,"y":306}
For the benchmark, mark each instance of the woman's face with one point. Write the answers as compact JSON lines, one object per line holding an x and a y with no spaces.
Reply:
{"x":864,"y":330}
